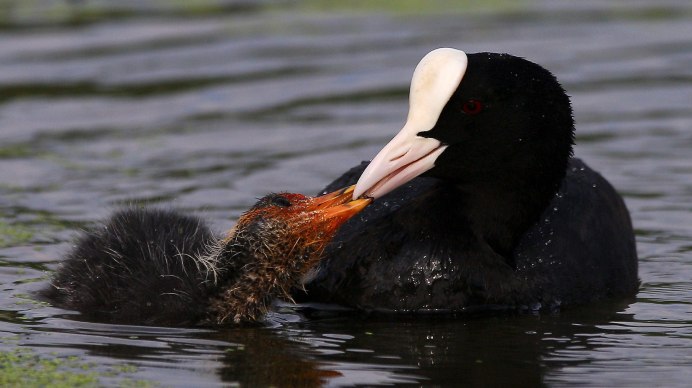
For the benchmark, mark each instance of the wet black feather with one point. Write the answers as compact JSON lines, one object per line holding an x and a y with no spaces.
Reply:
{"x":139,"y":267}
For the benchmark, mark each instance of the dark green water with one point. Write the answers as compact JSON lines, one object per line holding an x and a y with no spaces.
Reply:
{"x":206,"y":105}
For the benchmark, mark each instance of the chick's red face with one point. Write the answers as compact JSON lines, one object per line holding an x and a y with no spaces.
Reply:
{"x":309,"y":219}
{"x":320,"y":217}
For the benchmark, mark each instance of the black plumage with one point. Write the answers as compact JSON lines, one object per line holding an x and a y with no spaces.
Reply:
{"x":141,"y":266}
{"x":506,"y":218}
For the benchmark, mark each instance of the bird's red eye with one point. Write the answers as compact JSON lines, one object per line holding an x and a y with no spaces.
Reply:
{"x":472,"y":107}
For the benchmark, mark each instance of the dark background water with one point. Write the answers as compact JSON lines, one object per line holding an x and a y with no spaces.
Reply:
{"x":206,"y":105}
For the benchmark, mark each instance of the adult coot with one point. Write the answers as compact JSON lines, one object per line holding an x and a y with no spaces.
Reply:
{"x":502,"y":215}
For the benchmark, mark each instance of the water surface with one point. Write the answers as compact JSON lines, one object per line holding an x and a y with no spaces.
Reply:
{"x":204,"y":106}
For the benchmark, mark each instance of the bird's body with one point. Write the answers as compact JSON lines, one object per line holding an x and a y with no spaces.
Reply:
{"x":161,"y":267}
{"x":107,"y":272}
{"x":504,"y":217}
{"x":410,"y":251}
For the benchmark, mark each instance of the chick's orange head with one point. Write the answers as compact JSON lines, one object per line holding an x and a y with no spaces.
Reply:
{"x":314,"y":220}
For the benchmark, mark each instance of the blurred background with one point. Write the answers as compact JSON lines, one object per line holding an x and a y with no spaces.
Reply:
{"x":204,"y":105}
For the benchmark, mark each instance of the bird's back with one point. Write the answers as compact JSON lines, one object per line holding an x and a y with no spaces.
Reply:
{"x":141,"y":266}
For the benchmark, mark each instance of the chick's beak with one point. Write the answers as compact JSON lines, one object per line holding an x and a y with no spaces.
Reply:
{"x":338,"y":205}
{"x":337,"y":197}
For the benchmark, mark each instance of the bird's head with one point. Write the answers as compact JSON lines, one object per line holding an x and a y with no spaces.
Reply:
{"x":477,"y":118}
{"x":289,"y":231}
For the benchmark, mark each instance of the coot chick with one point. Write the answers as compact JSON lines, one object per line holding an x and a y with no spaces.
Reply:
{"x":479,"y":203}
{"x":160,"y":267}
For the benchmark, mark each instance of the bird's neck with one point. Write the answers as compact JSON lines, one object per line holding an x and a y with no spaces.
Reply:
{"x":501,"y":212}
{"x":247,"y":297}
{"x":255,"y":271}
